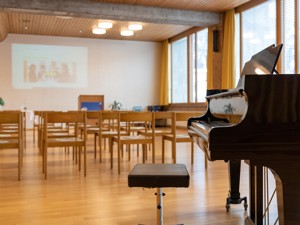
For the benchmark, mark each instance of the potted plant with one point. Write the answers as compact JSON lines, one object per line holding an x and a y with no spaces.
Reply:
{"x":115,"y":105}
{"x":2,"y":103}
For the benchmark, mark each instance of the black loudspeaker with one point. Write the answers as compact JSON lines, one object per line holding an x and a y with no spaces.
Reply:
{"x":215,"y":40}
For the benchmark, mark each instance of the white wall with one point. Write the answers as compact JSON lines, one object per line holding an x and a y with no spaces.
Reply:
{"x":126,"y":71}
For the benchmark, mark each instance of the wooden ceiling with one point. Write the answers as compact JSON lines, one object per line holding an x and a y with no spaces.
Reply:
{"x":76,"y":18}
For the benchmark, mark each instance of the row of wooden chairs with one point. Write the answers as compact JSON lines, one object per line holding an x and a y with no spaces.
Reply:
{"x":128,"y":134}
{"x":118,"y":127}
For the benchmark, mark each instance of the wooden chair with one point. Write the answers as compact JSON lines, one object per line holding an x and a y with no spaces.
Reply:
{"x":176,"y":137}
{"x":71,"y":139}
{"x":53,"y":129}
{"x":159,"y":131}
{"x":12,"y":139}
{"x":103,"y":128}
{"x":148,"y":119}
{"x":111,"y":117}
{"x":92,"y":126}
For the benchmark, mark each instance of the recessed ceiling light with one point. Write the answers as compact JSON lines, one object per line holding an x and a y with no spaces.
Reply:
{"x":64,"y":17}
{"x":99,"y":31}
{"x":126,"y":32}
{"x":105,"y":25}
{"x":135,"y":26}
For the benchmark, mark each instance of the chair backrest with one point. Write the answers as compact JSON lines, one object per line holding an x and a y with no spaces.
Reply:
{"x":92,"y":118}
{"x":163,"y":114}
{"x":10,"y":117}
{"x":103,"y":116}
{"x":110,"y":115}
{"x":92,"y":115}
{"x":15,"y":119}
{"x":147,"y":118}
{"x":78,"y":118}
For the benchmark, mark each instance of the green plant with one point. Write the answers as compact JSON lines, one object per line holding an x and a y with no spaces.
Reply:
{"x":115,"y":105}
{"x":2,"y":103}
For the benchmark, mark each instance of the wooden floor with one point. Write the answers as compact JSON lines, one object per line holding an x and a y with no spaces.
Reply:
{"x":103,"y":197}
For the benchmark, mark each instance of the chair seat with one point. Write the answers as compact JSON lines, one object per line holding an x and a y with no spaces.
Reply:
{"x":179,"y":138}
{"x":138,"y":138}
{"x":112,"y":133}
{"x":158,"y":176}
{"x":73,"y":141}
{"x":157,"y":132}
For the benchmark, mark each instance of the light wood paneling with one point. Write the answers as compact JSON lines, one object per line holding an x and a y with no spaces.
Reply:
{"x":25,"y":23}
{"x":51,"y":23}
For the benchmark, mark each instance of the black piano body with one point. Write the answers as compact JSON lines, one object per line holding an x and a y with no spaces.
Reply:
{"x":266,"y":133}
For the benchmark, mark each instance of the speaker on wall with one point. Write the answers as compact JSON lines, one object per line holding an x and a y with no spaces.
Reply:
{"x":215,"y":40}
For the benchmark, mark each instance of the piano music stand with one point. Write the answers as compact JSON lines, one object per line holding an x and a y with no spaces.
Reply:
{"x":159,"y":176}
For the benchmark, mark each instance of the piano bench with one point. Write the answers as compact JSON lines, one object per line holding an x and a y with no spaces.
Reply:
{"x":159,"y":176}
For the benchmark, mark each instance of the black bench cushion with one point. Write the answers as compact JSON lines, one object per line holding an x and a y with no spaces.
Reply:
{"x":159,"y":175}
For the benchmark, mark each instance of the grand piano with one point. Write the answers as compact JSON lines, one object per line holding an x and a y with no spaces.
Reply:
{"x":266,"y":135}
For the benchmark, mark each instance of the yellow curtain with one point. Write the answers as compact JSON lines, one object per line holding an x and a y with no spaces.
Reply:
{"x":164,"y":87}
{"x":210,"y":59}
{"x":228,"y":59}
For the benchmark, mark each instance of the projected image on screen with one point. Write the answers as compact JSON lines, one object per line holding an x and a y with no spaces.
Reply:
{"x":36,"y":66}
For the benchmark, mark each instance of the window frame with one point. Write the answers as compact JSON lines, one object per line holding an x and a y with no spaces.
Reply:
{"x":191,"y":61}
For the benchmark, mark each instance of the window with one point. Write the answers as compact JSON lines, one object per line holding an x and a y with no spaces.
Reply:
{"x":200,"y":74}
{"x":288,"y":36}
{"x":179,"y":71}
{"x":258,"y":29}
{"x":189,"y":68}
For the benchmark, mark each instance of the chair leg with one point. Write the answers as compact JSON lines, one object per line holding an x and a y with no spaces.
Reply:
{"x":163,"y":150}
{"x":174,"y":151}
{"x":45,"y":162}
{"x":128,"y":149}
{"x":144,"y":149}
{"x":153,"y":152}
{"x":19,"y":163}
{"x":119,"y":156}
{"x":79,"y":157}
{"x":95,"y":145}
{"x":84,"y":158}
{"x":100,"y":148}
{"x":111,"y":152}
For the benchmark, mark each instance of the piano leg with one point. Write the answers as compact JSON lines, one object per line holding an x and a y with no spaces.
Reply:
{"x":256,"y":195}
{"x":286,"y":174}
{"x":234,"y":197}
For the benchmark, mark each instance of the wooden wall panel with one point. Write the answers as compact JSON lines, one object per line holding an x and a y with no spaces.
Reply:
{"x":3,"y":26}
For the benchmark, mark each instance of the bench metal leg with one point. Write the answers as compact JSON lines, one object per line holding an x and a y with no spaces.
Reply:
{"x":160,"y":209}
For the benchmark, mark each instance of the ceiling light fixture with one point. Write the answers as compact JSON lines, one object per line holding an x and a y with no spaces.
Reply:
{"x":105,"y":25}
{"x":99,"y":31}
{"x":126,"y":32}
{"x":135,"y":26}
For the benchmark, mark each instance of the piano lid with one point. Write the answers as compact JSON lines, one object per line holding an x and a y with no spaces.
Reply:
{"x":263,"y":62}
